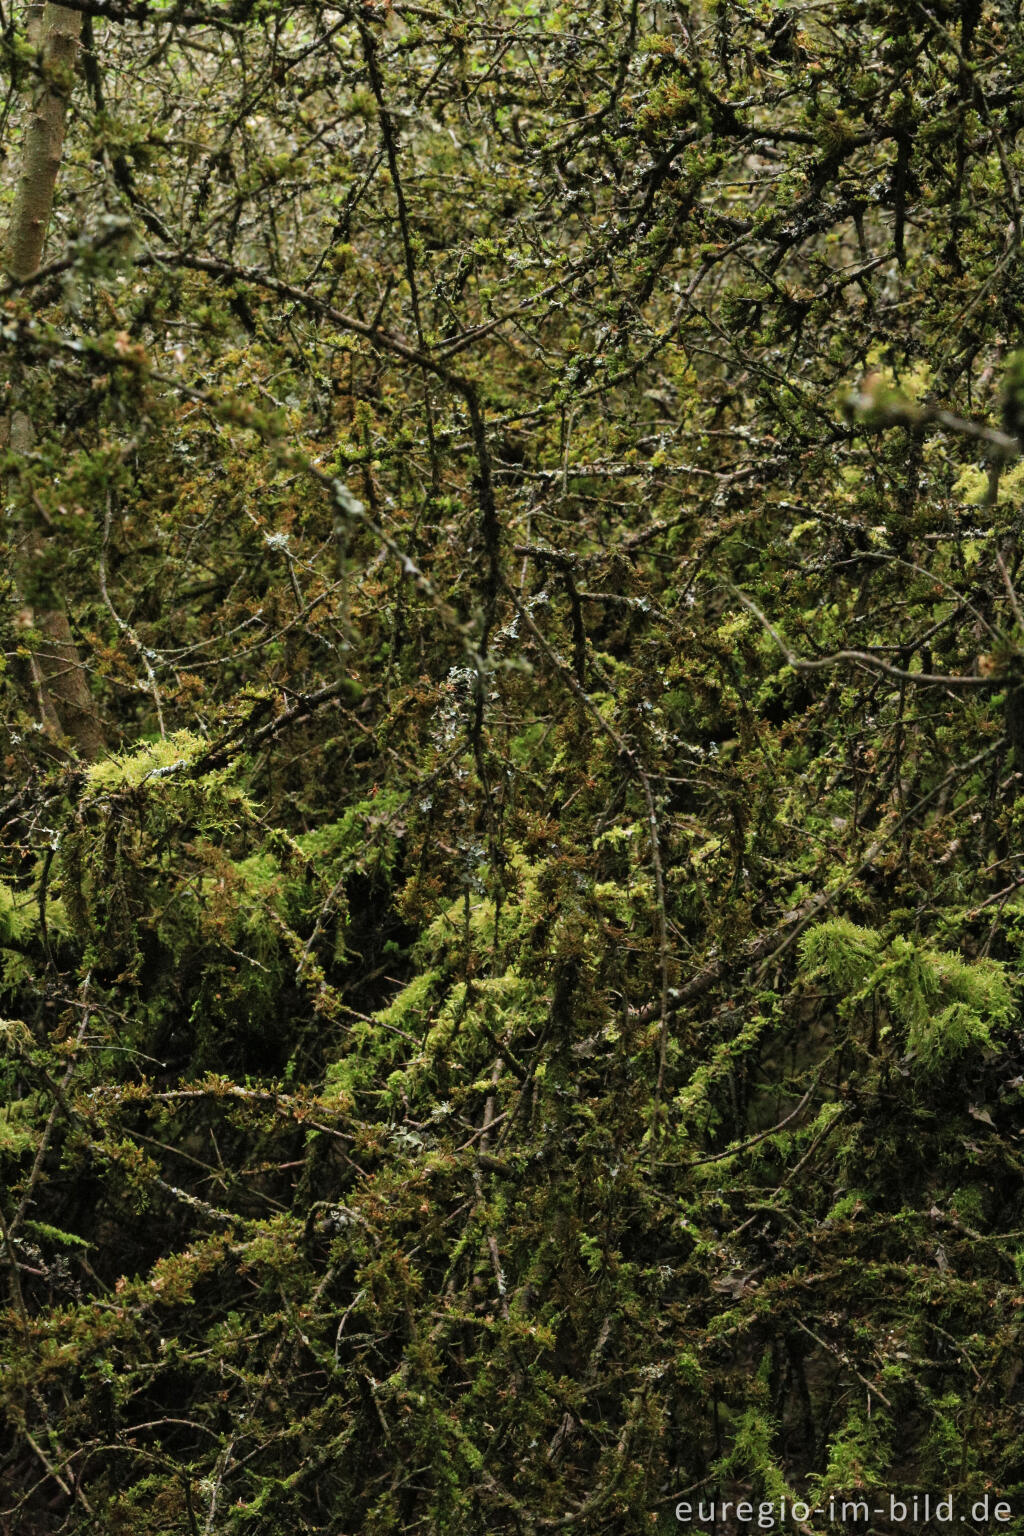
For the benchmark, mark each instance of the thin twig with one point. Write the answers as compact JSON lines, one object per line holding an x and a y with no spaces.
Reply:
{"x":864,"y":659}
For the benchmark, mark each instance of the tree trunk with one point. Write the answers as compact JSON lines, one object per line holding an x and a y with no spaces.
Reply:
{"x":64,"y":702}
{"x":56,"y":31}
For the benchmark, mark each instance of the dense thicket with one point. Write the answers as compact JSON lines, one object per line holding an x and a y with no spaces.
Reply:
{"x":511,"y":980}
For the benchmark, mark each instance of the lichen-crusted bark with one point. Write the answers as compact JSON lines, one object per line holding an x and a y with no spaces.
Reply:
{"x":58,"y":32}
{"x":65,"y":705}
